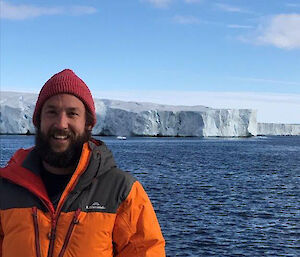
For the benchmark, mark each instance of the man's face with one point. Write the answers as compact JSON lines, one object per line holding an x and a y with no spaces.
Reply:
{"x":62,"y":119}
{"x":62,"y":130}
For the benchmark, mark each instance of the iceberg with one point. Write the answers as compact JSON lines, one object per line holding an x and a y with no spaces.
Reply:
{"x":116,"y":118}
{"x":276,"y":129}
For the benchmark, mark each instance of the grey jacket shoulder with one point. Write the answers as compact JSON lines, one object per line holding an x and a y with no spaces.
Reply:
{"x":103,"y":182}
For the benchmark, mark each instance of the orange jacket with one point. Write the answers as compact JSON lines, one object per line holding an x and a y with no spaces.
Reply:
{"x":103,"y":211}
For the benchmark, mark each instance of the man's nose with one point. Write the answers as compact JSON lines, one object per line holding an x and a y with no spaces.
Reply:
{"x":62,"y":121}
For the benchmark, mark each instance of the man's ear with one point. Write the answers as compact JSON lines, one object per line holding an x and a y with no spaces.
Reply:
{"x":89,"y":127}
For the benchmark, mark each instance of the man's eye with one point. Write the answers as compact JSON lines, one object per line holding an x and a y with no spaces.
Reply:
{"x":51,"y":112}
{"x":73,"y":114}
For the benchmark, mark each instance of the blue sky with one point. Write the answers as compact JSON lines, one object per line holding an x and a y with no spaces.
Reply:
{"x":223,"y":54}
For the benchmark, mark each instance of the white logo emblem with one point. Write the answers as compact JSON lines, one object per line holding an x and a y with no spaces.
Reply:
{"x":95,"y":206}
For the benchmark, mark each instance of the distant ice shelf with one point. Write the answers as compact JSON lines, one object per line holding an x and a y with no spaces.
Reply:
{"x":147,"y":119}
{"x":275,"y":129}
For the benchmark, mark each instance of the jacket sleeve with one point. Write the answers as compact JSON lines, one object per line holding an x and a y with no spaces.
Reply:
{"x":1,"y":230}
{"x":137,"y":231}
{"x":1,"y":238}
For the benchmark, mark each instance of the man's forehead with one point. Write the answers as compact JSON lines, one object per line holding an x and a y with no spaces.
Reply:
{"x":64,"y":101}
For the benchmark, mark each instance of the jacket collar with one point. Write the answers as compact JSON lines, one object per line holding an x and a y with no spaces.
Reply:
{"x":24,"y":168}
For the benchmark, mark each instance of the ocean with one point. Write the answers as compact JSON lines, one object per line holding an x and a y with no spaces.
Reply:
{"x":215,"y":196}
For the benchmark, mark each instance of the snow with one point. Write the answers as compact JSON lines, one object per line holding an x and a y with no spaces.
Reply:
{"x":274,"y":129}
{"x":120,"y":118}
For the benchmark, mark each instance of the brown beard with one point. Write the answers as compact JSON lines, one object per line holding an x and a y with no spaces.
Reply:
{"x":69,"y":157}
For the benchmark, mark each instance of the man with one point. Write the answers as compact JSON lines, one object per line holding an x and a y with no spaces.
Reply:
{"x":65,"y":196}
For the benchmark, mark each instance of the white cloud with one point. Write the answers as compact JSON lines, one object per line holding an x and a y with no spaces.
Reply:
{"x":181,"y":19}
{"x":236,"y":26}
{"x":166,"y":3}
{"x":230,"y":8}
{"x":159,"y":3}
{"x":281,"y":31}
{"x":80,"y":10}
{"x":193,"y":1}
{"x":186,"y":19}
{"x":22,"y":11}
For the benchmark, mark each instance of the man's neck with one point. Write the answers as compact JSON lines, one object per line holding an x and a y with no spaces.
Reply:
{"x":58,"y":171}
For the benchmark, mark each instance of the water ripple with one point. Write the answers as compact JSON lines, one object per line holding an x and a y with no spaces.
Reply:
{"x":215,"y":197}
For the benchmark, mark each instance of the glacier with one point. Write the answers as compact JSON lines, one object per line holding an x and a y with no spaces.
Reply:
{"x":276,"y":129}
{"x":120,"y":118}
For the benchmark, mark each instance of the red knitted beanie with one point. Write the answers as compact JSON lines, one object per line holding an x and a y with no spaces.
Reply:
{"x":64,"y":82}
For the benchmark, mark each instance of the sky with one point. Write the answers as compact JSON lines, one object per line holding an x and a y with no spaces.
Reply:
{"x":221,"y":54}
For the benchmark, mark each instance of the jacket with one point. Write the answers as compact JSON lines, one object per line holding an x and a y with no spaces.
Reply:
{"x":103,"y":211}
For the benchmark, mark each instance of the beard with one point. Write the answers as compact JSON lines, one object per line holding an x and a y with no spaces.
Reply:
{"x":67,"y":158}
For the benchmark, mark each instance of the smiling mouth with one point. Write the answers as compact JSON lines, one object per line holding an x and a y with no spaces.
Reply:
{"x":56,"y":137}
{"x":59,"y":136}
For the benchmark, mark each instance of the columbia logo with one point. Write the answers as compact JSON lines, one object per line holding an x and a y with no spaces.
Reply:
{"x":96,"y":206}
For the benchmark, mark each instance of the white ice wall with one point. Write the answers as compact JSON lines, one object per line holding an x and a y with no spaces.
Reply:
{"x":274,"y":129}
{"x":147,"y":119}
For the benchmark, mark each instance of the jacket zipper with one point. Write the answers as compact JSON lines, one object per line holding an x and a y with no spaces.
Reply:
{"x":52,"y":234}
{"x":54,"y":219}
{"x":74,"y":222}
{"x":36,"y":232}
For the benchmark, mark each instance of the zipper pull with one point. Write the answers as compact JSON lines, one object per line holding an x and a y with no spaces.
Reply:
{"x":34,"y":211}
{"x":76,"y":214}
{"x":52,"y":234}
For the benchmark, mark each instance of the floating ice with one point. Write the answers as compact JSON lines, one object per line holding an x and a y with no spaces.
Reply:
{"x":147,"y":119}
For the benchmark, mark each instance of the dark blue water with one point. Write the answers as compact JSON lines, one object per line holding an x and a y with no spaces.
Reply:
{"x":214,"y":197}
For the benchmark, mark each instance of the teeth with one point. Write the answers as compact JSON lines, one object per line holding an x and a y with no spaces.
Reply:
{"x":60,"y":137}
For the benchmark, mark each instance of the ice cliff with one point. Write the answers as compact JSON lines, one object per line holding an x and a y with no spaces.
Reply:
{"x":274,"y":129}
{"x":138,"y":119}
{"x":145,"y":119}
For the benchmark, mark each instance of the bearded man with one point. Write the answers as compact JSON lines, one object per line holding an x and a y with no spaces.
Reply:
{"x":65,"y":196}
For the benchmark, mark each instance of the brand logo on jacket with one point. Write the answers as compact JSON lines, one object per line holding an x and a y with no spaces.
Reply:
{"x":95,"y":206}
